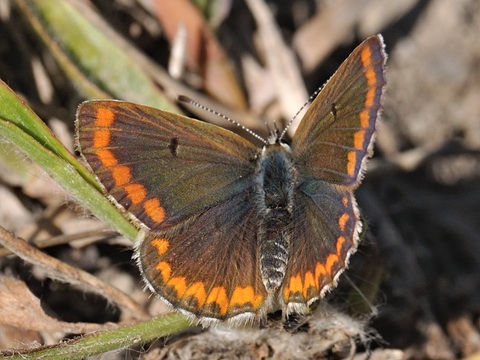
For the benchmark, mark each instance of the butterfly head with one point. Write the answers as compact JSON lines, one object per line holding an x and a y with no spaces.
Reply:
{"x":275,"y":136}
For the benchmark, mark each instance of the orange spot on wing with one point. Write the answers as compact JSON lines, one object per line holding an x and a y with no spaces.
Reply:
{"x":136,"y":193}
{"x":371,"y":92}
{"x":342,"y":222}
{"x":197,"y":290}
{"x":366,"y":56}
{"x":370,"y":73}
{"x":365,"y":117}
{"x":218,"y":296}
{"x":296,"y":283}
{"x":121,"y":175}
{"x":371,"y":76}
{"x":101,"y":138}
{"x":331,"y":260}
{"x":320,"y":271}
{"x":295,"y":286}
{"x":323,"y":270}
{"x":180,"y":285}
{"x":242,"y":296}
{"x":165,"y":269}
{"x":352,"y":163}
{"x":161,"y":245}
{"x":105,"y":117}
{"x":154,"y":210}
{"x":340,"y":242}
{"x":309,"y":282}
{"x":359,"y":138}
{"x":107,"y":158}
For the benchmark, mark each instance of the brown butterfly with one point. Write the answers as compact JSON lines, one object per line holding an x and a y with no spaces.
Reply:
{"x":233,"y":230}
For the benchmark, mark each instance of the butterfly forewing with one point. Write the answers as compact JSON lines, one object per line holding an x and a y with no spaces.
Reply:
{"x":162,"y":167}
{"x":333,"y":139}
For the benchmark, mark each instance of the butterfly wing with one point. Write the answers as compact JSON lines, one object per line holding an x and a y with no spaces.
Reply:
{"x":330,"y":148}
{"x":208,"y":266}
{"x":334,"y":137}
{"x":161,"y":167}
{"x":190,"y":183}
{"x":325,"y":234}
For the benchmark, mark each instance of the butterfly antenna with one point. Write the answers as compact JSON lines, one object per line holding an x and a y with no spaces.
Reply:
{"x":187,"y":100}
{"x":308,"y":102}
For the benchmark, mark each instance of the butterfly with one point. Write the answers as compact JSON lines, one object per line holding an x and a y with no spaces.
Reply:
{"x":232,"y":230}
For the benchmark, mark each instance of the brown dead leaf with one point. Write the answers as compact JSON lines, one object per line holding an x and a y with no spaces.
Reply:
{"x":63,"y":272}
{"x":21,"y":309}
{"x":281,"y":62}
{"x":315,"y":40}
{"x":205,"y":55}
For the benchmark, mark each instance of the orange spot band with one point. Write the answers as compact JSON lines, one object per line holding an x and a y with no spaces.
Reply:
{"x":309,"y":282}
{"x":371,"y":76}
{"x":358,"y":139}
{"x":197,"y":290}
{"x":165,"y":269}
{"x":242,"y":296}
{"x":107,"y":158}
{"x":161,"y":245}
{"x":136,"y":193}
{"x":295,"y":284}
{"x":331,"y":260}
{"x":104,"y":118}
{"x":121,"y":175}
{"x":218,"y":296}
{"x":101,"y":138}
{"x":320,"y":271}
{"x":154,"y":210}
{"x":179,"y":284}
{"x":342,"y":222}
{"x":352,"y":163}
{"x":340,"y":242}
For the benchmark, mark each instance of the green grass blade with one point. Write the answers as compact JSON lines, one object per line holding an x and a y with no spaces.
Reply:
{"x":21,"y":127}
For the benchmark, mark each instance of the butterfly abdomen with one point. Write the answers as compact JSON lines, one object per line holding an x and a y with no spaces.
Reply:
{"x":275,"y":180}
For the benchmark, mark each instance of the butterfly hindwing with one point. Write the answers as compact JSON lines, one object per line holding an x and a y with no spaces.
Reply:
{"x":207,"y":265}
{"x":325,"y":234}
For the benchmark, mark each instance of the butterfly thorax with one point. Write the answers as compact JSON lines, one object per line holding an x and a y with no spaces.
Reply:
{"x":275,"y":182}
